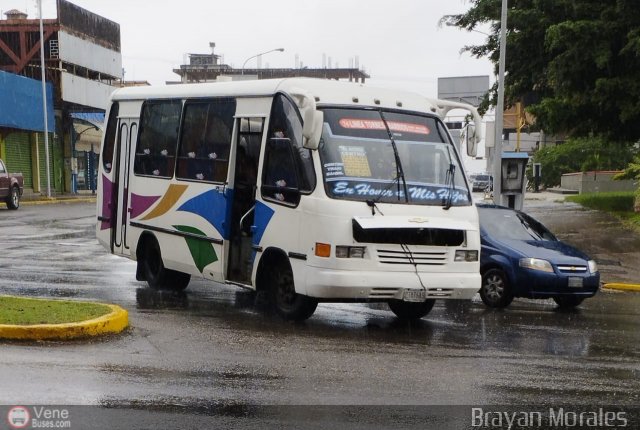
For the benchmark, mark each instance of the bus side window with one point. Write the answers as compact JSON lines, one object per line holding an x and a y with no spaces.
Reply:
{"x":110,"y":138}
{"x":279,"y":180}
{"x":205,"y":141}
{"x":285,"y":121}
{"x":156,"y":148}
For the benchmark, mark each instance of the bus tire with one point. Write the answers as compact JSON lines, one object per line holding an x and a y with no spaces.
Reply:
{"x":411,"y":311}
{"x":13,"y":199}
{"x":287,"y":303}
{"x":158,"y":277}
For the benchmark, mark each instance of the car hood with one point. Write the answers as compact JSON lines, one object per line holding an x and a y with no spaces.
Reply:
{"x":554,"y":251}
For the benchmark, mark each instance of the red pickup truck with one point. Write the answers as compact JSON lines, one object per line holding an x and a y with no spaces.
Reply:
{"x":11,"y":187}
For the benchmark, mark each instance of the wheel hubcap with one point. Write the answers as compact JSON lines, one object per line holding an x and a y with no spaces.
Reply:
{"x":494,"y":288}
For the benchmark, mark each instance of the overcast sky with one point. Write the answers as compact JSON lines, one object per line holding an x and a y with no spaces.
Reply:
{"x":399,"y":42}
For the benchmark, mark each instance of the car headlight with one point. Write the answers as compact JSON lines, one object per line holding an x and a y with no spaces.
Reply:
{"x":536,"y":264}
{"x":593,"y":267}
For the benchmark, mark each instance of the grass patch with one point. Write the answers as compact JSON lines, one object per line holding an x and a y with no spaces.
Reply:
{"x":619,"y":204}
{"x":610,"y":202}
{"x":27,"y":311}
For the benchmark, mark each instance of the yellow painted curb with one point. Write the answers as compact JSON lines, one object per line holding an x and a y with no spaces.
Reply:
{"x":57,"y":201}
{"x":623,"y":287}
{"x":113,"y":322}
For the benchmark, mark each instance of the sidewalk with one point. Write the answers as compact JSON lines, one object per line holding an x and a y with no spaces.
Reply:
{"x":542,"y":196}
{"x":29,"y":199}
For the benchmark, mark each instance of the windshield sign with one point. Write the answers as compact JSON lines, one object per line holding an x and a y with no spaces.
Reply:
{"x":359,"y":163}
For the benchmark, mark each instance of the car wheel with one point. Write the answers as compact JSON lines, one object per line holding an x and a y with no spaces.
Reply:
{"x":13,"y":199}
{"x":158,"y":277}
{"x":496,"y":291}
{"x":567,"y":302}
{"x":411,"y":311}
{"x":287,"y":303}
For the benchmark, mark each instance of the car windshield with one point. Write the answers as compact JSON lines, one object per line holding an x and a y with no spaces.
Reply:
{"x":481,"y":178}
{"x":358,"y":158}
{"x":509,"y":224}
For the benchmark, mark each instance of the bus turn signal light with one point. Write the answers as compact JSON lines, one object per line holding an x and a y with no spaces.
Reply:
{"x":323,"y":249}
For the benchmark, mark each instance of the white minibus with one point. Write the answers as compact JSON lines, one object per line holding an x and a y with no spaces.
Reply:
{"x":307,"y":190}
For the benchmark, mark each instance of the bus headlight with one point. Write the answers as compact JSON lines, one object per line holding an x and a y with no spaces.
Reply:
{"x":350,"y":251}
{"x":464,"y":255}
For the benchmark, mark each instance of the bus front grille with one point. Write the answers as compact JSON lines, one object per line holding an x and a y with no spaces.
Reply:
{"x":436,"y":258}
{"x":383,"y":293}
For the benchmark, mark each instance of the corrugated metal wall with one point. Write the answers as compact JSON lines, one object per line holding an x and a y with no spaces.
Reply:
{"x":18,"y":150}
{"x":20,"y":158}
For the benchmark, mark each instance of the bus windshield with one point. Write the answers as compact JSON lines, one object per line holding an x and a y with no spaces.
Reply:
{"x":358,"y":160}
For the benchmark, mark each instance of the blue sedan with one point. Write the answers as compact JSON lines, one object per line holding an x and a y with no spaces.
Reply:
{"x":521,"y":258}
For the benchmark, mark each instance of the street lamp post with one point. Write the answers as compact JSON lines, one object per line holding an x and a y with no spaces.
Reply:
{"x":450,"y":24}
{"x":257,"y":55}
{"x":44,"y":100}
{"x":499,"y":124}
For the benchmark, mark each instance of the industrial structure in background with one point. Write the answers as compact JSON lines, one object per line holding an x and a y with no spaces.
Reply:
{"x":83,"y":64}
{"x":208,"y":68}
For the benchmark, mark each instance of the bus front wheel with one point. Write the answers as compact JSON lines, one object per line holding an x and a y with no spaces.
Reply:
{"x":411,"y":311}
{"x":289,"y":304}
{"x":158,"y":277}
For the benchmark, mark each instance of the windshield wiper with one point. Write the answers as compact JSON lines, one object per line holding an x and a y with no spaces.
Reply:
{"x":372,"y":202}
{"x":399,"y":170}
{"x":450,"y":182}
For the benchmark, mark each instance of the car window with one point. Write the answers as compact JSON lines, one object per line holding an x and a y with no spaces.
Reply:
{"x":509,"y":224}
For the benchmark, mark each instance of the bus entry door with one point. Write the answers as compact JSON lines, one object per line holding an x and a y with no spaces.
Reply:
{"x":247,"y":153}
{"x":128,"y":131}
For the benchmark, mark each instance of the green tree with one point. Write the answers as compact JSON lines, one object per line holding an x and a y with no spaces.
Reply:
{"x":575,"y":62}
{"x":581,"y":155}
{"x":632,"y":172}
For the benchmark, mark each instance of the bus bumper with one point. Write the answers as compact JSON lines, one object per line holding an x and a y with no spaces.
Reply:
{"x":369,"y":286}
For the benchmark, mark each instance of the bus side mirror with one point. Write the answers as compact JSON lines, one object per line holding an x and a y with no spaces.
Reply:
{"x":312,"y":138}
{"x":311,"y":118}
{"x":471,"y":140}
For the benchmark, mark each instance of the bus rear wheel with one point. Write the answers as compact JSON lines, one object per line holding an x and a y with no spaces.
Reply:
{"x":158,"y":277}
{"x":287,"y":303}
{"x":411,"y":311}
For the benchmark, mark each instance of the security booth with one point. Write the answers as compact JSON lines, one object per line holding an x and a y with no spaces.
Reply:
{"x":512,"y":174}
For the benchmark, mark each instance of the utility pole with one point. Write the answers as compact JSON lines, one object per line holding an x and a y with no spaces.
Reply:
{"x":499,"y":125}
{"x":44,"y":101}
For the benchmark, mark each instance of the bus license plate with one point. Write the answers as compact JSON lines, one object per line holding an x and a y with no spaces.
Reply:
{"x":575,"y":282}
{"x":415,"y":295}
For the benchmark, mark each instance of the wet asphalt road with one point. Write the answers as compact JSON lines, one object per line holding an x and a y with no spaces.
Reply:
{"x":209,"y":353}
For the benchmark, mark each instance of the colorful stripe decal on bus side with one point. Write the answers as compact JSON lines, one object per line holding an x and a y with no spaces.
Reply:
{"x":173,"y":194}
{"x":140,"y":204}
{"x":107,"y":215}
{"x":202,"y":252}
{"x":212,"y":206}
